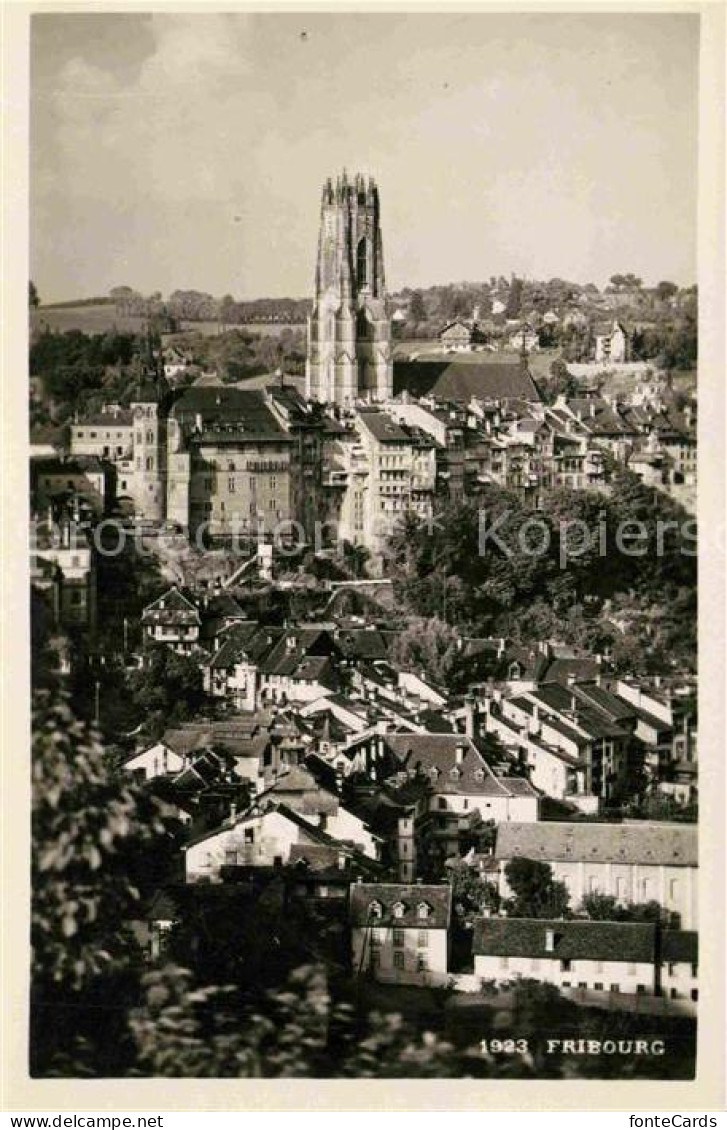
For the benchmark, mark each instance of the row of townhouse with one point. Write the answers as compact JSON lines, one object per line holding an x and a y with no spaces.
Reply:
{"x":582,"y":742}
{"x":401,"y":934}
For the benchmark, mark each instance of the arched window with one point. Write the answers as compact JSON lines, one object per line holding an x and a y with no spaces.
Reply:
{"x":362,"y":263}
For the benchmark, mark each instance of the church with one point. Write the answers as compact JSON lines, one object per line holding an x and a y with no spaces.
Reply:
{"x":349,"y":330}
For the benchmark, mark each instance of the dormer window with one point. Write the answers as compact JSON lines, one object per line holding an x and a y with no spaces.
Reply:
{"x":479,"y":774}
{"x":455,"y":773}
{"x":398,"y":909}
{"x":423,"y":910}
{"x":434,"y":772}
{"x":375,"y":909}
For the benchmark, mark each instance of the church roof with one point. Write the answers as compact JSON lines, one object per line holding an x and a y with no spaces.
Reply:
{"x":461,"y":380}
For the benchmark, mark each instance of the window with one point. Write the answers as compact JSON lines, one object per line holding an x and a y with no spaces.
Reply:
{"x":582,"y":984}
{"x":423,"y":910}
{"x":399,"y":959}
{"x":641,"y":988}
{"x":398,"y":937}
{"x":674,"y":994}
{"x":422,"y":962}
{"x":231,"y":486}
{"x":565,"y":984}
{"x":442,"y":802}
{"x":695,"y":994}
{"x":231,"y":858}
{"x":249,"y":835}
{"x":615,"y":988}
{"x":423,"y":939}
{"x":598,"y":985}
{"x":694,"y":971}
{"x":375,"y":959}
{"x":375,"y":910}
{"x":375,"y":940}
{"x":565,"y":965}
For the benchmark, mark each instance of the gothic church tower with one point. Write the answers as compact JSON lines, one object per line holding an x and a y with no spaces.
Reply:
{"x":349,"y":330}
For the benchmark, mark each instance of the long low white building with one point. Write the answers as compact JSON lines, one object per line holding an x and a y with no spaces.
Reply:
{"x":635,"y":862}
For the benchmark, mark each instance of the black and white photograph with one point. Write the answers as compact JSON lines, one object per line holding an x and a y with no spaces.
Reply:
{"x":363,"y":371}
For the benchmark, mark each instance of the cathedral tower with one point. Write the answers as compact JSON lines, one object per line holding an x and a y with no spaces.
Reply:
{"x":349,"y":330}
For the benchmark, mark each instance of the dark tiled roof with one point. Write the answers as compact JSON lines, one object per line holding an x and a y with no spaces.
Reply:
{"x":680,"y":945}
{"x":362,"y":643}
{"x":324,"y":860}
{"x":234,"y":647}
{"x":434,"y":756}
{"x":594,"y":941}
{"x":221,"y":406}
{"x":123,"y":419}
{"x":437,"y":897}
{"x":672,"y":845}
{"x":383,"y":427}
{"x":461,"y":380}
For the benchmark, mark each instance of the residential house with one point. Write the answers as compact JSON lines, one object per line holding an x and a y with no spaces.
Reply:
{"x":400,"y":931}
{"x":174,"y":620}
{"x":612,"y":344}
{"x":260,"y":837}
{"x":63,"y":568}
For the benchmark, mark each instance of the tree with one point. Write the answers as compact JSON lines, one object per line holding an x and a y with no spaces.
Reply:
{"x":88,"y":830}
{"x":666,"y":290}
{"x":536,"y":893}
{"x":417,"y":309}
{"x":169,"y":687}
{"x":514,"y":298}
{"x":428,"y":646}
{"x":471,"y":895}
{"x":33,"y":297}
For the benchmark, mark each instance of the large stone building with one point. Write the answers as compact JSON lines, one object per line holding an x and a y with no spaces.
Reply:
{"x":349,"y":330}
{"x":234,"y":460}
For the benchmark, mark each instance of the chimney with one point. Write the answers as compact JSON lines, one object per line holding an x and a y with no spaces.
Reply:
{"x":470,"y":720}
{"x":549,"y":941}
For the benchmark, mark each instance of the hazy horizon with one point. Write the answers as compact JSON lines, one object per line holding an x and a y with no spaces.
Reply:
{"x":187,"y":151}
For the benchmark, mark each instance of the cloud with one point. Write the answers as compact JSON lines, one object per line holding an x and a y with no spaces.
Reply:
{"x":159,"y":132}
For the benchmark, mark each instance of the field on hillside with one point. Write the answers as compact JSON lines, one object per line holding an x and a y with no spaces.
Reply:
{"x":89,"y":319}
{"x":103,"y":317}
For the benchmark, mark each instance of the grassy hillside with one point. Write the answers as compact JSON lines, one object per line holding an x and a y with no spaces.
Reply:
{"x":97,"y":319}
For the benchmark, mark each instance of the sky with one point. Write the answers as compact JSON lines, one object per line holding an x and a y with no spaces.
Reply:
{"x":187,"y":151}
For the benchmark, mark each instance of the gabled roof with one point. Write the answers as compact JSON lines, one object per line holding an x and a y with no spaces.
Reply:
{"x":433,"y":758}
{"x":171,"y":607}
{"x":673,"y":845}
{"x":461,"y":380}
{"x":234,"y":646}
{"x":595,"y":941}
{"x":437,"y":897}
